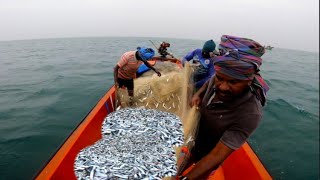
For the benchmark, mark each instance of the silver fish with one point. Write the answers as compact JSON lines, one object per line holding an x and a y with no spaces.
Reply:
{"x":136,"y":144}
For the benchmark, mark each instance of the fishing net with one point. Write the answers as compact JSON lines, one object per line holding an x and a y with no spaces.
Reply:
{"x":153,"y":92}
{"x":171,"y":92}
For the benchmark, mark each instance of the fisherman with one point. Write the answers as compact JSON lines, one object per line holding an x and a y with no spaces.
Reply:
{"x":162,"y":50}
{"x":205,"y":62}
{"x":230,"y":105}
{"x":126,"y":68}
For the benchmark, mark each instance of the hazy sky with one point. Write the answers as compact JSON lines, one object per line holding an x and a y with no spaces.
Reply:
{"x":292,"y":24}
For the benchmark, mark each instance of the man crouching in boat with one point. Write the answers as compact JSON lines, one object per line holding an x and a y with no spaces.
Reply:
{"x":230,"y":105}
{"x":126,"y":68}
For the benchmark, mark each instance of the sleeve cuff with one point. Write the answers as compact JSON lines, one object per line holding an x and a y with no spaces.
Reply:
{"x":231,"y":146}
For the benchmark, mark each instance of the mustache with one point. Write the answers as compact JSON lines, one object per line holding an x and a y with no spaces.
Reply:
{"x":223,"y":92}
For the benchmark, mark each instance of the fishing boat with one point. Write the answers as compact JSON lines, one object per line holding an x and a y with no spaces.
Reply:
{"x":241,"y":164}
{"x":269,"y":47}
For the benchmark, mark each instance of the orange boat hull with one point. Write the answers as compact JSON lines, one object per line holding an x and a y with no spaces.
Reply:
{"x":242,"y":164}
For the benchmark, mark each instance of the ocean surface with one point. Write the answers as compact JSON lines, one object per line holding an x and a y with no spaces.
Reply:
{"x":48,"y":86}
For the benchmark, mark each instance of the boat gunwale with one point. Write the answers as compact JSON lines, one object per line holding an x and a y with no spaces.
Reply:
{"x":251,"y":153}
{"x":43,"y":167}
{"x":105,"y":96}
{"x":65,"y":147}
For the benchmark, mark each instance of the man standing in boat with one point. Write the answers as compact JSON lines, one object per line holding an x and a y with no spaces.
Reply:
{"x":230,"y":105}
{"x":126,"y":68}
{"x":203,"y":58}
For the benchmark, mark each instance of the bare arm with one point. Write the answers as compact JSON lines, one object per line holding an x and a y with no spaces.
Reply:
{"x":196,"y":98}
{"x":149,"y":66}
{"x":115,"y":74}
{"x":202,"y":90}
{"x":211,"y":161}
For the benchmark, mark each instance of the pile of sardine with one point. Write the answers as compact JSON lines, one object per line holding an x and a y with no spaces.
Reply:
{"x":136,"y":144}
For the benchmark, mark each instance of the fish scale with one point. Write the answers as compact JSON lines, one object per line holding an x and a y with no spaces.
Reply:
{"x":137,"y":143}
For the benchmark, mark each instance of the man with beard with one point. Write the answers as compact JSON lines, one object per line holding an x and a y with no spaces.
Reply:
{"x":230,"y":105}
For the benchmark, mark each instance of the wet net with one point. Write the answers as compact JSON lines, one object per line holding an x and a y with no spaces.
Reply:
{"x":172,"y":93}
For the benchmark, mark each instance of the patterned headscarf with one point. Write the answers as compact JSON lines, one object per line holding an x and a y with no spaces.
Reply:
{"x":243,"y":45}
{"x":242,"y":61}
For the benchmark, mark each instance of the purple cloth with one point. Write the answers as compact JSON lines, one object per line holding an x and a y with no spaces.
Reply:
{"x":237,"y":66}
{"x":242,"y":61}
{"x":243,"y":45}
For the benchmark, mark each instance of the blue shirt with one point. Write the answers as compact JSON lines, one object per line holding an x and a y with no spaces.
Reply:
{"x":204,"y":71}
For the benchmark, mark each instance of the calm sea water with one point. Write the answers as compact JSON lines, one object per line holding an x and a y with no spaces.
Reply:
{"x":48,"y":86}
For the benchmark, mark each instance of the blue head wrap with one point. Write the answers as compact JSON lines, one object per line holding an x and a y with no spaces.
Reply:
{"x":145,"y":53}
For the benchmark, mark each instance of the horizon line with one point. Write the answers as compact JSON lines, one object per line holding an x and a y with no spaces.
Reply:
{"x":78,"y":37}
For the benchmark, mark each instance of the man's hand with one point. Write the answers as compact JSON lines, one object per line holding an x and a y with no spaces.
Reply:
{"x":195,"y":101}
{"x":210,"y":162}
{"x":158,"y":73}
{"x":116,"y":85}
